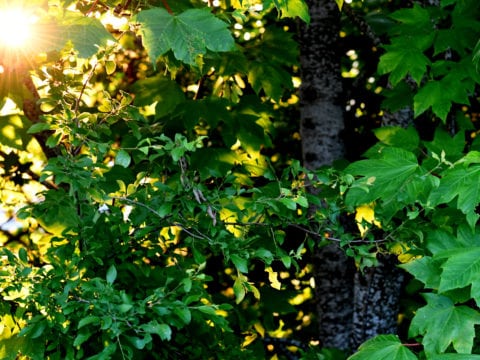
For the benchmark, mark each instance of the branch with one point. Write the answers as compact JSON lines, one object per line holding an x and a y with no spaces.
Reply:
{"x":31,"y":109}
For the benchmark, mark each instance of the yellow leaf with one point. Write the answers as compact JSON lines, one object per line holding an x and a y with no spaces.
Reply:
{"x":260,"y":329}
{"x":273,"y":278}
{"x":365,"y":213}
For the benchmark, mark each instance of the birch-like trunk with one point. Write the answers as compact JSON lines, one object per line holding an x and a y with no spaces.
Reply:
{"x":321,"y":127}
{"x":351,"y":307}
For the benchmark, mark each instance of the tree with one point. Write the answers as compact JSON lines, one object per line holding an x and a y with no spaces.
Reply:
{"x":154,"y":207}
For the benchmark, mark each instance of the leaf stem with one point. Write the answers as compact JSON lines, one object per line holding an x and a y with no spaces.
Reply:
{"x":167,"y":7}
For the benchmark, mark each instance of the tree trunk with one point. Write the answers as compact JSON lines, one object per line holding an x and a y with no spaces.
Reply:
{"x":351,"y":307}
{"x":321,"y":90}
{"x":376,"y":300}
{"x":321,"y":125}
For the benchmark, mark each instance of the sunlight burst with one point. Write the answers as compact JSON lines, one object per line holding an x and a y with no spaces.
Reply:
{"x":16,"y":27}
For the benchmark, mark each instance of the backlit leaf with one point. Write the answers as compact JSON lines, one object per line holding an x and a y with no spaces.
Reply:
{"x":86,"y":34}
{"x":188,"y":34}
{"x":294,"y":8}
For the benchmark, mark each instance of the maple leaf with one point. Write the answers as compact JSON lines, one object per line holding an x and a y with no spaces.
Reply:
{"x":294,"y":8}
{"x":439,"y":95}
{"x":442,"y":323}
{"x":426,"y":270}
{"x":383,"y":347}
{"x":383,"y":177}
{"x":461,"y":183}
{"x":188,"y":35}
{"x":278,"y":79}
{"x":461,"y":269}
{"x":401,"y":61}
{"x":85,"y":33}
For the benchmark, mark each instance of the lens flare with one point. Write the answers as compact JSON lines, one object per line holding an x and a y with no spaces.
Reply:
{"x":16,"y":27}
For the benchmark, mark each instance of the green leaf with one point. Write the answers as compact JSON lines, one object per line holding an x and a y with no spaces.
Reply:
{"x":476,"y":54}
{"x":162,"y":330}
{"x":240,"y":263}
{"x":81,"y":338}
{"x":396,"y":136}
{"x":88,"y":320}
{"x":462,"y":183}
{"x":269,"y":77}
{"x":184,"y":314}
{"x":432,"y":95}
{"x":384,"y":177}
{"x":383,"y":347}
{"x":416,"y":16}
{"x":188,"y":34}
{"x":454,"y":357}
{"x":22,"y":254}
{"x":461,"y":269}
{"x":289,"y":203}
{"x":139,"y":343}
{"x":401,"y":61}
{"x":452,"y":146}
{"x":425,"y":270}
{"x":111,"y":274}
{"x":123,"y":158}
{"x":123,"y":308}
{"x":294,"y":8}
{"x":160,"y":89}
{"x":85,"y":33}
{"x":442,"y":323}
{"x":110,"y":67}
{"x":38,"y":127}
{"x":239,"y":290}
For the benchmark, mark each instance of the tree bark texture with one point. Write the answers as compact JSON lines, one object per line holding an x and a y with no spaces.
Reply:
{"x":321,"y":117}
{"x":351,"y":307}
{"x":376,"y":300}
{"x":321,"y":124}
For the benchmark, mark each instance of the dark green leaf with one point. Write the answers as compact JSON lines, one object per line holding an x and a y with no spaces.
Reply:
{"x":400,"y":62}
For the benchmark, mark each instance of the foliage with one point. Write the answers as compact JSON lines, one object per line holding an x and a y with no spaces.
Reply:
{"x":151,"y":216}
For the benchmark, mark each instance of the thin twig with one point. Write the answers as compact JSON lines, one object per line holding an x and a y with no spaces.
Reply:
{"x":77,"y":102}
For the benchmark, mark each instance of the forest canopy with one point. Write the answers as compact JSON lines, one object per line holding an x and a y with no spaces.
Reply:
{"x":160,"y":198}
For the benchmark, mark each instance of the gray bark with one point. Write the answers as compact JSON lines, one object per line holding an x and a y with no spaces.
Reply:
{"x":334,"y":273}
{"x":376,"y":300}
{"x":321,"y":117}
{"x":351,"y":307}
{"x":321,"y":126}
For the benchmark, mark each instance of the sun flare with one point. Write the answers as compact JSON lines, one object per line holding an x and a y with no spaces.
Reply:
{"x":16,"y":27}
